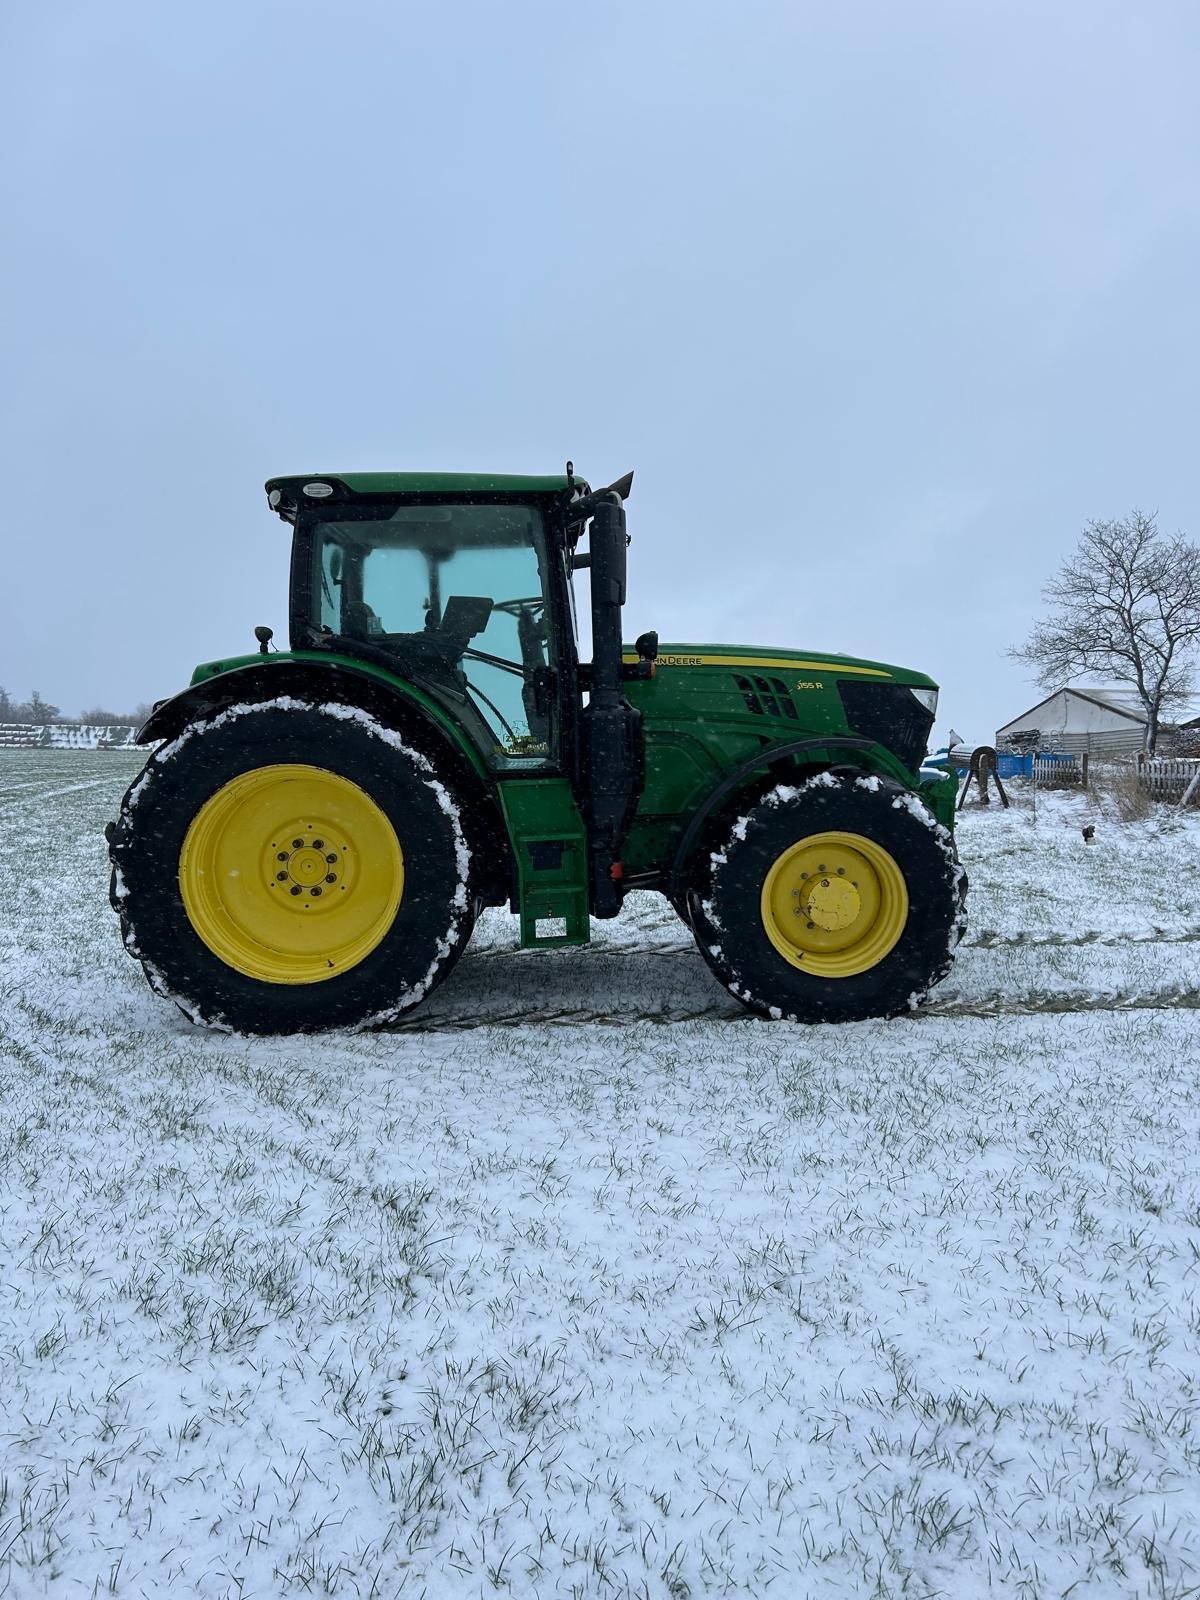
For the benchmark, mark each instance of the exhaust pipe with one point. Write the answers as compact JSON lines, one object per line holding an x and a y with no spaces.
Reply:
{"x":614,"y":749}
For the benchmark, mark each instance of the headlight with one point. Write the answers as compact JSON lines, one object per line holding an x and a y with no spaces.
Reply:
{"x":927,"y":697}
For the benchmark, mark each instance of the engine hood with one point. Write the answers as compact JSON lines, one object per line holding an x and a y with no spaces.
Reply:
{"x":722,"y":703}
{"x":811,"y":666}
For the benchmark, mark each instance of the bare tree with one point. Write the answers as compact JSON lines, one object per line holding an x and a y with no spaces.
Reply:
{"x":1126,"y":605}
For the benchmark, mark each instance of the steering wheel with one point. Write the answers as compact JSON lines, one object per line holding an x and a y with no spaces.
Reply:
{"x":527,"y":605}
{"x":530,"y":614}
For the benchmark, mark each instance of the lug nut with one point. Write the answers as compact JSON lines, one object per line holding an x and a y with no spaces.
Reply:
{"x":295,"y":888}
{"x":281,"y":876}
{"x":841,"y":872}
{"x":331,"y":877}
{"x":282,"y":856}
{"x":297,"y":844}
{"x":318,"y":844}
{"x":331,"y":858}
{"x":314,"y":892}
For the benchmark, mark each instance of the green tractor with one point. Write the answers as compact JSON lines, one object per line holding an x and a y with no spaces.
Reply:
{"x":317,"y":829}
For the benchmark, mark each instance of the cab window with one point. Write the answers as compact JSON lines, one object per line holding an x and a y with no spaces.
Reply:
{"x":457,"y":595}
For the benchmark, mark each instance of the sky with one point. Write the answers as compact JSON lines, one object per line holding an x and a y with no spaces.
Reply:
{"x":882,"y":303}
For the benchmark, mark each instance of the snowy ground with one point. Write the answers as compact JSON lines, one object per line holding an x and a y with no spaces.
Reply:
{"x":638,"y":1298}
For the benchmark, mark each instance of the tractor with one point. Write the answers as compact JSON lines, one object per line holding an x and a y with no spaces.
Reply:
{"x":317,"y":829}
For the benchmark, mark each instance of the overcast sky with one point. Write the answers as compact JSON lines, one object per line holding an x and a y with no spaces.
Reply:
{"x":881,"y":301}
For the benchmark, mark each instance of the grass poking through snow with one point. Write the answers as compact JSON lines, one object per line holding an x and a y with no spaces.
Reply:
{"x":628,"y":1307}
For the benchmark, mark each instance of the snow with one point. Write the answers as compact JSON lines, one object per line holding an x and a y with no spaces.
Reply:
{"x":68,"y":735}
{"x":579,"y":1282}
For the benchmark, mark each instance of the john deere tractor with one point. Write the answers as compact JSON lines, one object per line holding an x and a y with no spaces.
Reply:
{"x":318,"y":828}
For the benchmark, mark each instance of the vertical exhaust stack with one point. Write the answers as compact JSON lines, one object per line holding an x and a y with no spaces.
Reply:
{"x":614,"y":752}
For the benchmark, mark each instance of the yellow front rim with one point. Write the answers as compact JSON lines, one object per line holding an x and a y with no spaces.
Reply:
{"x":291,"y":874}
{"x":834,"y":904}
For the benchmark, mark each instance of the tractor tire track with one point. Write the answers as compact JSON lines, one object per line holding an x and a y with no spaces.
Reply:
{"x":986,"y":939}
{"x":1063,"y":1004}
{"x":990,"y":939}
{"x":985,"y":1007}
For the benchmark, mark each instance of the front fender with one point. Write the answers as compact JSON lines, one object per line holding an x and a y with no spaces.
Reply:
{"x":816,"y":752}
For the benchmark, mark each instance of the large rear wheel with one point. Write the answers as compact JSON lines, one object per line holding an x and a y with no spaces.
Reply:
{"x":832,"y":901}
{"x":282,"y":868}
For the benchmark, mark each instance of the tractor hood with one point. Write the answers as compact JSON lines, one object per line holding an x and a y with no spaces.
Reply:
{"x":762,"y":658}
{"x":772,"y":696}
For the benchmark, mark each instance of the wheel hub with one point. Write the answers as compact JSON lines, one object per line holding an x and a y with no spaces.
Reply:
{"x":309,"y":862}
{"x":829,"y":903}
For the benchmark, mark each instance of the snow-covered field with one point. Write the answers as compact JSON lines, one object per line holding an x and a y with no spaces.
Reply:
{"x":585,"y":1284}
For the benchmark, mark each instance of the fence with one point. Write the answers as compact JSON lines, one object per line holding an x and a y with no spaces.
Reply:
{"x":1058,"y":771}
{"x":1168,"y":777}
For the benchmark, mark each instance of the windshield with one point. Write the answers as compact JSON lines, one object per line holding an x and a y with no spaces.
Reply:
{"x":456,"y":594}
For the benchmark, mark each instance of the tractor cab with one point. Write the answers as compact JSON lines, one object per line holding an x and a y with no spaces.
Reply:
{"x":461,"y":589}
{"x":456,"y":597}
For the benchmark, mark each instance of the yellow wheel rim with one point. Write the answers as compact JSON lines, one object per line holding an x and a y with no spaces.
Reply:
{"x":291,"y":874}
{"x":834,"y":904}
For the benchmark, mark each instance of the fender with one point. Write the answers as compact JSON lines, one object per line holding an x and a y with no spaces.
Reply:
{"x":392,"y":702}
{"x":869,"y":755}
{"x":307,"y":675}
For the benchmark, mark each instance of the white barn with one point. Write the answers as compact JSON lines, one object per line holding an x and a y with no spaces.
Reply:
{"x":1082,"y":718}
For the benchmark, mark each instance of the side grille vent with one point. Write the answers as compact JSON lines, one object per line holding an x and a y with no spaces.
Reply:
{"x":766,"y":697}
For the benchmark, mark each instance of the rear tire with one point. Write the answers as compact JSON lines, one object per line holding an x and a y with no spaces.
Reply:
{"x":350,"y":919}
{"x":833,"y":901}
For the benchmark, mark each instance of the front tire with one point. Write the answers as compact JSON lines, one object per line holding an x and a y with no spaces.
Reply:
{"x":832,"y":901}
{"x":287,"y":868}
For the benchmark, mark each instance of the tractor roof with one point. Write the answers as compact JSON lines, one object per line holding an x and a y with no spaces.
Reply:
{"x":447,"y":483}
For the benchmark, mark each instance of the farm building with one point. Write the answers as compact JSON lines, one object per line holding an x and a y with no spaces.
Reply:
{"x":1099,"y":721}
